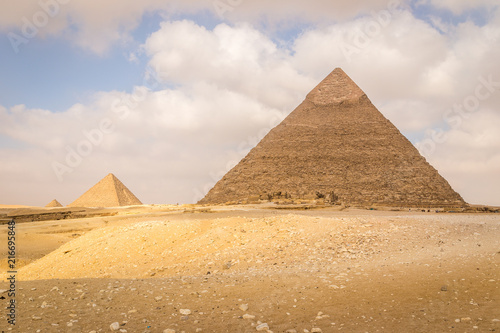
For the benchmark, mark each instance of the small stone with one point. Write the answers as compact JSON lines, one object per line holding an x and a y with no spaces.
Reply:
{"x":157,"y":298}
{"x":243,"y":307}
{"x":444,"y":288}
{"x":69,"y":324}
{"x":316,"y":330}
{"x":93,"y":332}
{"x":168,"y":330}
{"x":457,"y":320}
{"x":495,"y":320}
{"x":114,"y":326}
{"x":36,"y":318}
{"x":199,"y":329}
{"x":262,"y":327}
{"x":465,"y":319}
{"x":248,"y":316}
{"x":185,"y":312}
{"x":132,"y":311}
{"x":291,"y":331}
{"x":123,"y":330}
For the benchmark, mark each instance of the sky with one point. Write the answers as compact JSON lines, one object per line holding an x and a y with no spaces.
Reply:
{"x":169,"y":95}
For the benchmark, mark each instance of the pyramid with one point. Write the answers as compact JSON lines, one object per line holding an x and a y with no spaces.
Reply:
{"x":54,"y":203}
{"x":336,"y":145}
{"x":109,"y":192}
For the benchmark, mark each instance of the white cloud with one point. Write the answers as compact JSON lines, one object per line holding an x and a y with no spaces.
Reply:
{"x":235,"y":58}
{"x":470,"y":158}
{"x":179,"y":136}
{"x":459,"y":6}
{"x":234,"y":81}
{"x":97,"y":25}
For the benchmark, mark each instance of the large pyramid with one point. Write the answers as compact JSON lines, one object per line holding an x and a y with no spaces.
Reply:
{"x":336,"y":145}
{"x":109,"y":192}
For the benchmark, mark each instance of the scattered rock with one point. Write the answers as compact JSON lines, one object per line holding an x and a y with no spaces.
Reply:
{"x":185,"y":312}
{"x":243,"y":307}
{"x":248,"y":316}
{"x":168,"y":330}
{"x":262,"y":327}
{"x":316,"y":330}
{"x":444,"y":288}
{"x":114,"y":326}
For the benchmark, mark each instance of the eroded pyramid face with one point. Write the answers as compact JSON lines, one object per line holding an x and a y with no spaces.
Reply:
{"x":336,"y":145}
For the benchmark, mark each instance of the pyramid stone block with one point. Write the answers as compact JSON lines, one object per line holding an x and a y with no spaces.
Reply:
{"x":109,"y":192}
{"x":336,"y":145}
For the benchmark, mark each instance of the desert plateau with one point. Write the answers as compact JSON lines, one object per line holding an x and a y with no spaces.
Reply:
{"x":249,"y":268}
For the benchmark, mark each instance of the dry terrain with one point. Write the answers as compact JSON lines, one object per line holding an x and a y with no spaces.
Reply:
{"x":253,"y":268}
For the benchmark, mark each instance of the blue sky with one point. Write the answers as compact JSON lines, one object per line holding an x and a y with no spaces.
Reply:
{"x":53,"y":74}
{"x":262,"y":59}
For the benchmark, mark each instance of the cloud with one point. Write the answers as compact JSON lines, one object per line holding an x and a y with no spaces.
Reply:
{"x":96,"y":26}
{"x":161,"y":138}
{"x":460,"y":6}
{"x":229,"y":85}
{"x":469,"y":158}
{"x":236,"y":58}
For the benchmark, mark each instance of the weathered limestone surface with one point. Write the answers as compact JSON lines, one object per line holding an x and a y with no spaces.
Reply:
{"x":336,"y":144}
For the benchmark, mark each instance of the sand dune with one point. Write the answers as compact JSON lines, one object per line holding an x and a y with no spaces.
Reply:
{"x":333,"y":271}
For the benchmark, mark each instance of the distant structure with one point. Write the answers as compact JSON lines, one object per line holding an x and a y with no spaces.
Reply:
{"x":336,"y":145}
{"x":109,"y":192}
{"x":54,"y":203}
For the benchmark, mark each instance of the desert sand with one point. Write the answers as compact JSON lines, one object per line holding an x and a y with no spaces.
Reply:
{"x":251,"y":268}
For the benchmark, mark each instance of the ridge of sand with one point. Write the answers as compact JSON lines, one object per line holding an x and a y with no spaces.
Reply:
{"x":163,"y":248}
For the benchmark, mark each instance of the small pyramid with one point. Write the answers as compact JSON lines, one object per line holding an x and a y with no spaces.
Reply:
{"x":336,"y":145}
{"x":54,"y":203}
{"x":109,"y":192}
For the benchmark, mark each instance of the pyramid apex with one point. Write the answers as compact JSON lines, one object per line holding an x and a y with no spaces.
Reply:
{"x":336,"y":88}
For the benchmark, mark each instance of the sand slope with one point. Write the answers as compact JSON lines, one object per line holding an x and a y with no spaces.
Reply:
{"x":372,"y":272}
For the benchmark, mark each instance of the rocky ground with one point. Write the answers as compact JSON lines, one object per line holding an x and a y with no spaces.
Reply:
{"x":246,"y":269}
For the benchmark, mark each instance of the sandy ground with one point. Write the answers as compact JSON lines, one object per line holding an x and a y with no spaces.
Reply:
{"x":237,"y":269}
